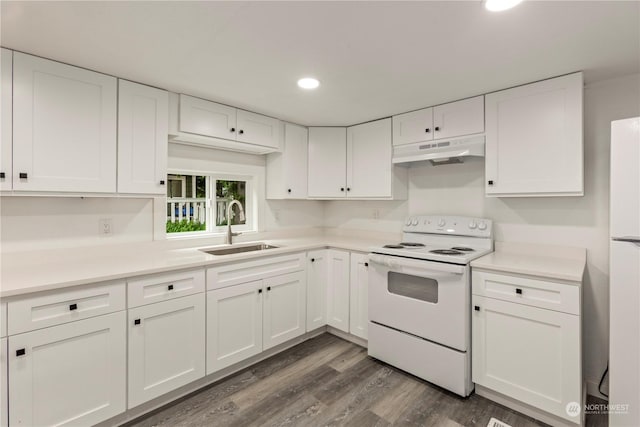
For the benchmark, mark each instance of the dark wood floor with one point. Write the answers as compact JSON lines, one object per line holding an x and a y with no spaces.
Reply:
{"x":327,"y":381}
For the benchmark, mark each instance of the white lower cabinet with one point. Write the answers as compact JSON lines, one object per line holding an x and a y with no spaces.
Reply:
{"x":338,"y":289}
{"x":71,"y":374}
{"x":358,"y":300}
{"x":234,"y":324}
{"x":4,"y":392}
{"x":529,"y":353}
{"x":166,"y":346}
{"x":317,"y":269}
{"x":284,"y":309}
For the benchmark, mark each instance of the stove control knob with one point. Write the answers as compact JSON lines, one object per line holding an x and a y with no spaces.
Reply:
{"x":414,"y":222}
{"x":482,"y":226}
{"x":441,"y":222}
{"x":408,"y":222}
{"x":473,"y":225}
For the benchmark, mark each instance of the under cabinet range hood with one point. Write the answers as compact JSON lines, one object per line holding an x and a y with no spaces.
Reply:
{"x":440,"y":152}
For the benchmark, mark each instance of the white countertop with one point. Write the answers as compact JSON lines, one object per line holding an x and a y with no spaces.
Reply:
{"x":28,"y":272}
{"x":544,"y":261}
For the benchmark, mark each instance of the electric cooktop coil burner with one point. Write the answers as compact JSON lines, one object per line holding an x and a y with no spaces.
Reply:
{"x":462,"y":249}
{"x":446,"y":252}
{"x":412,"y":245}
{"x":393,"y":246}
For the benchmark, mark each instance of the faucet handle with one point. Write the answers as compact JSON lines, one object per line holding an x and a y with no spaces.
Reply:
{"x":235,"y":234}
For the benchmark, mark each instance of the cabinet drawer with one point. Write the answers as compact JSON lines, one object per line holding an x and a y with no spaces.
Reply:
{"x":233,"y":274}
{"x":162,"y":287}
{"x":534,"y":292}
{"x":65,"y":306}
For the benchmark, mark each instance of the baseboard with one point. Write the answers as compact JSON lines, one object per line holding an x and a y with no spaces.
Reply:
{"x":592,"y":390}
{"x":347,"y":337}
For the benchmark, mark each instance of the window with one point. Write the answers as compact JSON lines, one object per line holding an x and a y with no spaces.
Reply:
{"x":198,"y":203}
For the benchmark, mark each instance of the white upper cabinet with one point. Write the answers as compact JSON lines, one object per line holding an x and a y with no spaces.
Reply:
{"x":414,"y":126}
{"x":452,"y":120}
{"x":327,"y":162}
{"x":369,"y":167}
{"x":143,"y":121}
{"x":258,"y":129}
{"x":207,"y":123}
{"x":534,"y":143}
{"x":6,"y":91}
{"x":64,"y":127}
{"x":287,"y":170}
{"x":207,"y":118}
{"x":459,"y":118}
{"x":354,"y":163}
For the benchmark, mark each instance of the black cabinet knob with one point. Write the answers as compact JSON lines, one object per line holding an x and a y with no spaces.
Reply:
{"x":232,"y":130}
{"x":137,"y":322}
{"x":427,"y":130}
{"x":2,"y":175}
{"x":341,"y":188}
{"x":519,"y":291}
{"x":162,"y":182}
{"x":23,"y":175}
{"x":476,"y":308}
{"x":289,"y":190}
{"x":437,"y":128}
{"x":240,"y":131}
{"x":268,"y":288}
{"x":490,"y":182}
{"x":170,"y":287}
{"x":348,"y":189}
{"x":73,"y":307}
{"x":259,"y":291}
{"x":313,"y":260}
{"x":366,"y":264}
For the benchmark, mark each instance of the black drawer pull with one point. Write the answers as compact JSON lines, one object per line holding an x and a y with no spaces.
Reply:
{"x":427,"y":130}
{"x":490,"y":182}
{"x":437,"y":128}
{"x":73,"y":307}
{"x":476,"y":308}
{"x":518,"y":291}
{"x":348,"y":189}
{"x":341,"y":188}
{"x":170,"y":287}
{"x":137,"y":322}
{"x":2,"y":175}
{"x":21,"y":352}
{"x":259,"y":291}
{"x":23,"y":175}
{"x":268,"y":288}
{"x":313,"y":260}
{"x":240,"y":131}
{"x":162,"y":182}
{"x":232,"y":130}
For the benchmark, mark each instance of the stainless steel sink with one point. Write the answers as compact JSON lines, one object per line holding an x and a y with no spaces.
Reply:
{"x":229,"y":250}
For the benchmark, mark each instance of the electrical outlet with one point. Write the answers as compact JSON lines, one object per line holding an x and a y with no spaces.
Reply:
{"x":376,"y":214}
{"x":105,"y":226}
{"x":276,"y":215}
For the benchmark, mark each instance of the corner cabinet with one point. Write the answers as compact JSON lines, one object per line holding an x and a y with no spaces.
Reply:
{"x":317,"y":271}
{"x":526,"y":342}
{"x":354,"y":163}
{"x":143,"y":127}
{"x":338,"y":289}
{"x":6,"y":111}
{"x":287,"y":170}
{"x":534,"y":140}
{"x":64,"y":127}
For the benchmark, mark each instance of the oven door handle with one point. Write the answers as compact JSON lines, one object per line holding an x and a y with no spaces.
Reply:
{"x":395,"y":263}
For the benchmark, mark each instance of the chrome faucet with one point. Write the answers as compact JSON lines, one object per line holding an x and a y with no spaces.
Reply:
{"x":229,"y":233}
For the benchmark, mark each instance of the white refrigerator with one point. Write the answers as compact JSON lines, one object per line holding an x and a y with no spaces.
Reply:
{"x":624,"y":274}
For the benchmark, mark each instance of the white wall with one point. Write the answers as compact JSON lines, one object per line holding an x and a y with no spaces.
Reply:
{"x":569,"y":221}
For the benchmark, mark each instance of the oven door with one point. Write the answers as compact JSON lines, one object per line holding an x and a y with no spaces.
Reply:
{"x":424,"y":298}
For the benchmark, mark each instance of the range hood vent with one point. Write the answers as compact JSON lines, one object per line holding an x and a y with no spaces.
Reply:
{"x":440,"y":152}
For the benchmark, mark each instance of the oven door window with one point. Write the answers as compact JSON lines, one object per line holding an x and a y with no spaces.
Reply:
{"x":414,"y":287}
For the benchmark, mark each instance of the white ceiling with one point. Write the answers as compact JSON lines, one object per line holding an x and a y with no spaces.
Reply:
{"x":373,"y":59}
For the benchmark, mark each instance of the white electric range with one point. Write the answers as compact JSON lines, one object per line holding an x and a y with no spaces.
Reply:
{"x":420,"y":298}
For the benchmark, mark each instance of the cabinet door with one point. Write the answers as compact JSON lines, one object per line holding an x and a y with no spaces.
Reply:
{"x":207,"y":118}
{"x":527,"y":353}
{"x":6,"y":113}
{"x":166,"y":347}
{"x":64,"y":127}
{"x":143,"y":127}
{"x":72,"y":374}
{"x":534,"y":139}
{"x":258,"y":129}
{"x":295,"y":155}
{"x":369,"y":164}
{"x":4,"y":392}
{"x":359,"y":296}
{"x":285,"y":302}
{"x":414,"y":126}
{"x":327,"y":162}
{"x":338,"y":290}
{"x":317,"y":273}
{"x":459,"y":118}
{"x":234,"y":324}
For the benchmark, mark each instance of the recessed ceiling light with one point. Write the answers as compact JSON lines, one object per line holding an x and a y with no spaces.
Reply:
{"x":308,"y":83}
{"x":500,"y":5}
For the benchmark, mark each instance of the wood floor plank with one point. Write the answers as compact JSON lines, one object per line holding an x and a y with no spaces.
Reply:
{"x":395,"y":403}
{"x":349,"y":358}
